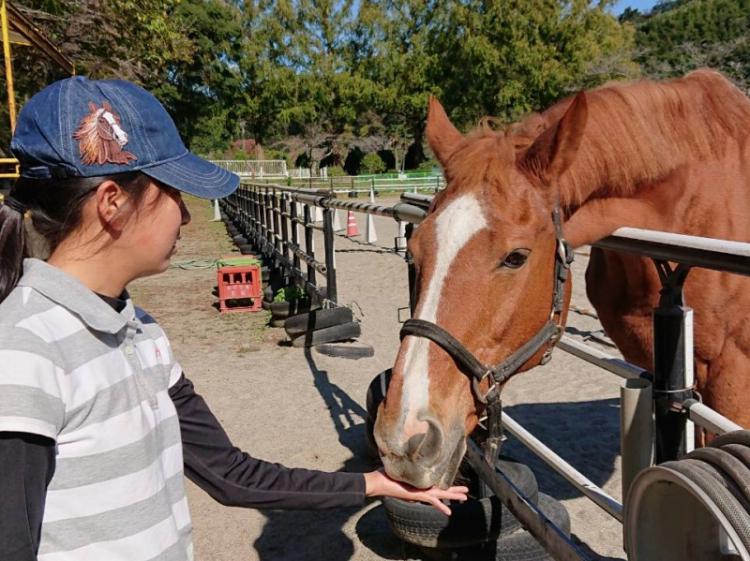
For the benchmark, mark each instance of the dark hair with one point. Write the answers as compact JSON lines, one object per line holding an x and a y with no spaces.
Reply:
{"x":55,"y":211}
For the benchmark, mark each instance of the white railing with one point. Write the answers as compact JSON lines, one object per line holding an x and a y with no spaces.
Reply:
{"x":255,"y":168}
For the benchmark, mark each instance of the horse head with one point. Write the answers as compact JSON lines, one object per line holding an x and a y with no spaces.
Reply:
{"x":485,"y":261}
{"x":101,"y":138}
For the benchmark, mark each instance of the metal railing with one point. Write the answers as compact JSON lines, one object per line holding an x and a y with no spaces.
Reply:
{"x":673,"y":405}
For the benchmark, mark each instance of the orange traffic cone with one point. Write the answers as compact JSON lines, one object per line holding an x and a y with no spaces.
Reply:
{"x":351,"y":225}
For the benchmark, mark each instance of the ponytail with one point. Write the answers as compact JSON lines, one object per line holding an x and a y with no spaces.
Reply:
{"x":12,"y":248}
{"x":53,"y":212}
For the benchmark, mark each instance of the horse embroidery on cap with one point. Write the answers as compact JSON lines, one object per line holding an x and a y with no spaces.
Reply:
{"x":100,"y":137}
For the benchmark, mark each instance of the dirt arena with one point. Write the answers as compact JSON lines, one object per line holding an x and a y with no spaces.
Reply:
{"x":304,"y":409}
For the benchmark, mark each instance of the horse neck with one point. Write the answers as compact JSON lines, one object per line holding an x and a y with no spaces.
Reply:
{"x":642,"y":143}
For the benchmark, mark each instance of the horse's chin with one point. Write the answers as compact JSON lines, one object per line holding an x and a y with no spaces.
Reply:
{"x":451,"y":467}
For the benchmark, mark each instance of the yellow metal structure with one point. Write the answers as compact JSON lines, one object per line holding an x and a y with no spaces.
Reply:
{"x":18,"y":29}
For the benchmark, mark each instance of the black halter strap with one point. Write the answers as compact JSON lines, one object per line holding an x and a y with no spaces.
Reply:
{"x":548,"y":334}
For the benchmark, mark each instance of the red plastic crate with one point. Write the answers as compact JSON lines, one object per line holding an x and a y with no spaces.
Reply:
{"x":239,"y":282}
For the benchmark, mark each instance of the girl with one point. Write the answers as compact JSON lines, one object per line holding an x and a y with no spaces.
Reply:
{"x":98,"y":423}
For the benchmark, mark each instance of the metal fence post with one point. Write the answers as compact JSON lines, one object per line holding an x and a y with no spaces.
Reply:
{"x":328,"y":240}
{"x":256,"y":218}
{"x":309,"y":244}
{"x":400,"y":241}
{"x":276,"y":213}
{"x":295,"y":233}
{"x":673,"y":364}
{"x":284,"y":232}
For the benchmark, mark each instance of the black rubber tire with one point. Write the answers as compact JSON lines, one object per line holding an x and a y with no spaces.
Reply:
{"x":276,"y":322}
{"x":371,"y":448}
{"x":719,"y":493}
{"x":282,"y":310}
{"x":375,"y":393}
{"x":317,"y":319}
{"x":342,"y":332}
{"x":351,"y":351}
{"x":735,"y":437}
{"x":472,"y":522}
{"x":246,"y":249}
{"x":373,"y":399}
{"x":516,"y":546}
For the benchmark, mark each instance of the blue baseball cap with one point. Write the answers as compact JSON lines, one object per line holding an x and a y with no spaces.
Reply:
{"x":84,"y":128}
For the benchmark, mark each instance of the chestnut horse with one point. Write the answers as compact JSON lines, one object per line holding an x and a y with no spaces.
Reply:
{"x":671,"y":156}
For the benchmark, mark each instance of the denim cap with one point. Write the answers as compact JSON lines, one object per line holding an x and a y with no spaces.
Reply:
{"x":84,"y":128}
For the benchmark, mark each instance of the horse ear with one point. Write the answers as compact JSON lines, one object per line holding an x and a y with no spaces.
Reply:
{"x":442,"y":136}
{"x":555,"y":149}
{"x":107,"y":107}
{"x":92,"y":107}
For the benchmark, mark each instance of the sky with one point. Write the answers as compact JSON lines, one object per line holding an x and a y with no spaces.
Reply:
{"x":640,"y":5}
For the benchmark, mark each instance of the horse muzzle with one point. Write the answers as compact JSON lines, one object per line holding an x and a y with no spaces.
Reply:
{"x":423,"y":459}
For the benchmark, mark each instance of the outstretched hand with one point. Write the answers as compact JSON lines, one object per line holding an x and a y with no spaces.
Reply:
{"x":378,"y":483}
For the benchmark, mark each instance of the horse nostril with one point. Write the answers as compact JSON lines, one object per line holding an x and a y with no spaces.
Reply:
{"x":425,"y":447}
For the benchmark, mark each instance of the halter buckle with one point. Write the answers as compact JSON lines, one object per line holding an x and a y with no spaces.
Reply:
{"x":484,"y":398}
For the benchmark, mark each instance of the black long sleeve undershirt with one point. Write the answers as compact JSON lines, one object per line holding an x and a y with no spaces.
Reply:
{"x":27,"y":462}
{"x":234,"y":478}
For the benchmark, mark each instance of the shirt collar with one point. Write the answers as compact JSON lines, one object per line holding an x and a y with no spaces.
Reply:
{"x":71,"y":294}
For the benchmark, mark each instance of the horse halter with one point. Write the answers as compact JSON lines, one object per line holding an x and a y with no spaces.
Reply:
{"x":549,"y":334}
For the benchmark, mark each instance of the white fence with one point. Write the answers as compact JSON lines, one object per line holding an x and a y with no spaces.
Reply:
{"x":255,"y":168}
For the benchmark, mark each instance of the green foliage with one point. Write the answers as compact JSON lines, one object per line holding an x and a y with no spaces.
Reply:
{"x":240,"y":154}
{"x":428,"y":165}
{"x":682,"y":36}
{"x":289,"y":294}
{"x":523,"y":59}
{"x":336,"y":171}
{"x":372,"y":163}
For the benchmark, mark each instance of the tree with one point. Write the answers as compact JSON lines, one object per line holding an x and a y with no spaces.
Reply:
{"x":114,"y":39}
{"x":372,"y":163}
{"x":681,"y":36}
{"x":509,"y":58}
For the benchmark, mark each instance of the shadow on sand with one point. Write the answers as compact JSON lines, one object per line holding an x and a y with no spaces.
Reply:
{"x":586,"y":434}
{"x":305,"y":535}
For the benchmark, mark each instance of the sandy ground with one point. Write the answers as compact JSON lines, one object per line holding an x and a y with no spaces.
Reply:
{"x":304,"y":409}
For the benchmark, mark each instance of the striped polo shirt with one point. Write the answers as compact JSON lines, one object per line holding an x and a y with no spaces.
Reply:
{"x":96,"y":382}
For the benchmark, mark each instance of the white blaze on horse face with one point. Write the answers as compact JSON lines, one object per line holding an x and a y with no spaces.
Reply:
{"x":120,"y":135}
{"x":454,"y":227}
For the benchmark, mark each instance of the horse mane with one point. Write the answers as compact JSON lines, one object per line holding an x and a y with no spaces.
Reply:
{"x":639,"y":132}
{"x":87,"y":136}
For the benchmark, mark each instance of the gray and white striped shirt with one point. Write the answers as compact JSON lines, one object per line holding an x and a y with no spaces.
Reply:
{"x":96,"y":382}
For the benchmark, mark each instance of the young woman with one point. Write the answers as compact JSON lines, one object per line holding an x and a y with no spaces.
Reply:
{"x":98,"y":422}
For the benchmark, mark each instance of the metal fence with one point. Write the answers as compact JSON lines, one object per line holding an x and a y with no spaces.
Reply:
{"x":659,"y":431}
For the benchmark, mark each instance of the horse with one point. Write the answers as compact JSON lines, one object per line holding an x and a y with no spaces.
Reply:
{"x":671,"y":156}
{"x":101,"y":138}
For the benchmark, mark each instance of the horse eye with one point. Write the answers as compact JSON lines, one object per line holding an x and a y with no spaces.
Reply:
{"x":516,"y":258}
